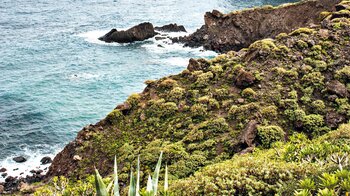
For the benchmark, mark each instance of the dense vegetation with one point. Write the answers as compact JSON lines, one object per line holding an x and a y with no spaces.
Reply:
{"x":284,"y":97}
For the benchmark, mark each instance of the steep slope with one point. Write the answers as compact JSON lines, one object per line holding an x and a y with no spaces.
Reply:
{"x":237,"y":30}
{"x":299,"y":82}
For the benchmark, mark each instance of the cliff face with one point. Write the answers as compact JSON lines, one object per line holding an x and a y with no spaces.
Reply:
{"x":296,"y":83}
{"x":237,"y":30}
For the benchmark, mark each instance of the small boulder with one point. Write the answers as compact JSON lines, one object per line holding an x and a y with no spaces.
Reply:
{"x":333,"y":119}
{"x":171,"y":28}
{"x":338,"y":88}
{"x":244,"y":78}
{"x":3,"y":169}
{"x":46,"y":160}
{"x":4,"y":175}
{"x":249,"y":133}
{"x":19,"y":159}
{"x":2,"y":188}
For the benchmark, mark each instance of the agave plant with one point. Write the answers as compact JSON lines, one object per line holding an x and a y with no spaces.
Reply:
{"x":134,"y":187}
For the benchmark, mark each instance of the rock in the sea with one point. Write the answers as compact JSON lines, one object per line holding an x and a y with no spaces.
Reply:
{"x":46,"y":160}
{"x":20,"y":159}
{"x":4,"y":175}
{"x":3,"y":169}
{"x":171,"y":28}
{"x":139,"y":32}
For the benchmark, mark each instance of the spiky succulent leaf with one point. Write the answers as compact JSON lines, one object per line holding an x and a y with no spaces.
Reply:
{"x":138,"y":177}
{"x":156,"y":175}
{"x":100,"y":185}
{"x":116,"y":185}
{"x":132,"y":187}
{"x":149,"y":184}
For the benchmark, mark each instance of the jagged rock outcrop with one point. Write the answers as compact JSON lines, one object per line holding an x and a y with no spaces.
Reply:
{"x":171,"y":28}
{"x":137,"y":33}
{"x":236,"y":30}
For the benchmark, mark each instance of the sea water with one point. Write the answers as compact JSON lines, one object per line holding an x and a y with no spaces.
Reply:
{"x":56,"y":76}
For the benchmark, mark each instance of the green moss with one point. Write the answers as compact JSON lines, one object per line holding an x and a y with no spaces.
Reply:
{"x":344,"y":74}
{"x":133,"y":99}
{"x":199,"y":110}
{"x":168,"y":83}
{"x":270,"y":112}
{"x":270,"y":134}
{"x":302,"y":31}
{"x":318,"y":106}
{"x":204,"y":79}
{"x":343,"y":106}
{"x":301,"y":44}
{"x":176,"y":94}
{"x":264,"y":45}
{"x":313,"y":122}
{"x":210,"y":102}
{"x":313,"y":79}
{"x":115,"y":116}
{"x":249,"y":93}
{"x":281,"y":36}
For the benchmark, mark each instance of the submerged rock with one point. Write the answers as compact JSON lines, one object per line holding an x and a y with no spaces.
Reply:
{"x":139,"y":32}
{"x":19,"y":159}
{"x":3,"y":169}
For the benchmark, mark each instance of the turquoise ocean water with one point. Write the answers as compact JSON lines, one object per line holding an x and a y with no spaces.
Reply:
{"x":56,"y":77}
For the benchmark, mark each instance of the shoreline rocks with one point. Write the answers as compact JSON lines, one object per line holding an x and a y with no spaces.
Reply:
{"x":139,"y":32}
{"x":46,"y":160}
{"x":19,"y":159}
{"x":14,"y":184}
{"x":171,"y":28}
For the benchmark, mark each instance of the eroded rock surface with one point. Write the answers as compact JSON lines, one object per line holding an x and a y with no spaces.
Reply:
{"x":236,"y":30}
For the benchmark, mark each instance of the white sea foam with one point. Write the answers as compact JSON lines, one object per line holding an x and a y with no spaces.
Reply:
{"x":92,"y":37}
{"x":83,"y":76}
{"x":161,"y":46}
{"x":23,"y":169}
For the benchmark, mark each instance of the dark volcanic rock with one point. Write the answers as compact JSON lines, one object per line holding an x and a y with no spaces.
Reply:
{"x":139,"y":32}
{"x":237,"y":30}
{"x":244,"y":79}
{"x":20,"y":159}
{"x":4,"y":175}
{"x":249,"y":133}
{"x":171,"y":28}
{"x":3,"y":169}
{"x":334,"y":119}
{"x":46,"y":160}
{"x":338,"y":88}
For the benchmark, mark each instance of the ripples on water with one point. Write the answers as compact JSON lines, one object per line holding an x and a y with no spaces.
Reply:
{"x":56,"y":77}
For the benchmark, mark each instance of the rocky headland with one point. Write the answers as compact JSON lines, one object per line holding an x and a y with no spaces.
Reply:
{"x":237,"y":30}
